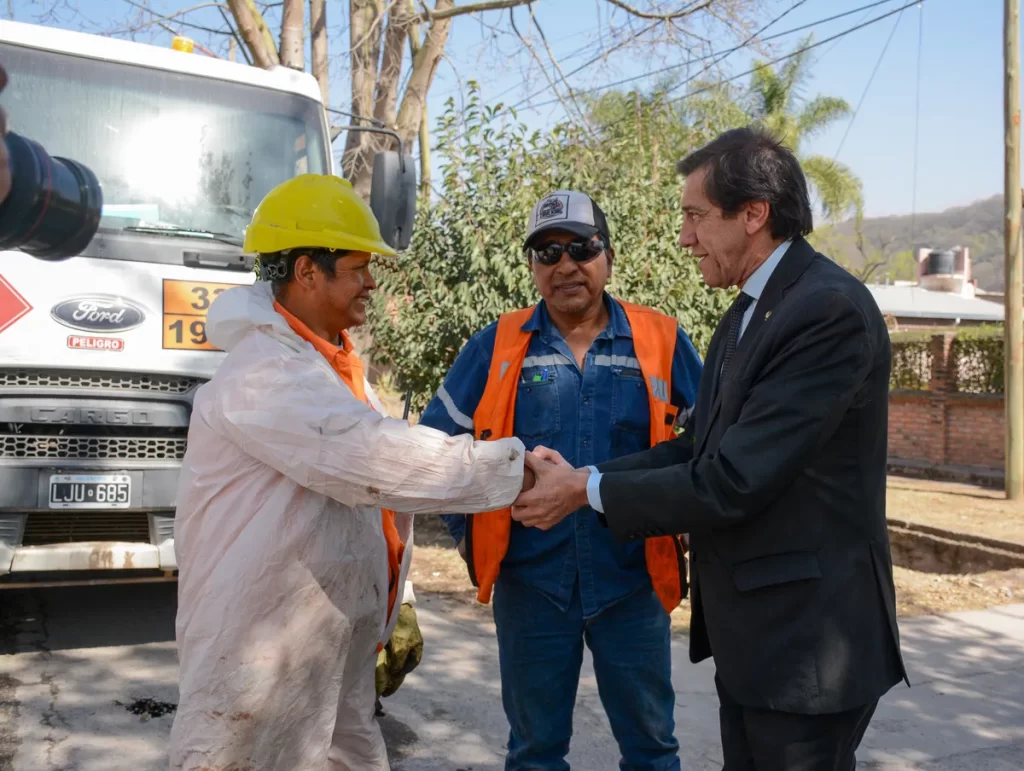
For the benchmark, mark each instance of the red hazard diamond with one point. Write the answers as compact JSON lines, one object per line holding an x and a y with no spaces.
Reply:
{"x":12,"y":305}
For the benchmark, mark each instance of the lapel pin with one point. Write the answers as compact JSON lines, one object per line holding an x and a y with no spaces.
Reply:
{"x":767,"y":315}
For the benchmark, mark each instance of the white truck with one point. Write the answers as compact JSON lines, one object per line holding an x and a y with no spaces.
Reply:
{"x":102,"y":353}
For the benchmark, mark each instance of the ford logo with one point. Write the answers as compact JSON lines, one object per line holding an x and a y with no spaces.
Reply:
{"x":98,"y":313}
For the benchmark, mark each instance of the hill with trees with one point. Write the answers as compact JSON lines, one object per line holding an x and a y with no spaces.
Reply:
{"x":886,"y":244}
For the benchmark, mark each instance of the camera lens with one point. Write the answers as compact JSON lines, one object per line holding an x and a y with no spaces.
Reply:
{"x":53,"y":208}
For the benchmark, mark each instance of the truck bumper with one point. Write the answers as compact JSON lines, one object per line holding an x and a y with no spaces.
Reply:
{"x":36,"y":539}
{"x":87,"y":556}
{"x":95,"y":555}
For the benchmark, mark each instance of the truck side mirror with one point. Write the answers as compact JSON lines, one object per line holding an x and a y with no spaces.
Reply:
{"x":393,"y":197}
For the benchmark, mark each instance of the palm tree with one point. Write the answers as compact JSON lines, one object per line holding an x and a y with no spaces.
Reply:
{"x":775,"y":103}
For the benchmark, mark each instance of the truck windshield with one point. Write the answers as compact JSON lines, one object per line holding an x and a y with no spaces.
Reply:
{"x":171,"y":150}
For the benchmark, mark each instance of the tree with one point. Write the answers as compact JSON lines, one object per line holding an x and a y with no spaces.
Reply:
{"x":466,"y":264}
{"x":381,"y":30}
{"x":394,"y":47}
{"x":776,"y":103}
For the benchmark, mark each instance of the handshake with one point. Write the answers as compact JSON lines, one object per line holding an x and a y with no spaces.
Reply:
{"x":552,"y":489}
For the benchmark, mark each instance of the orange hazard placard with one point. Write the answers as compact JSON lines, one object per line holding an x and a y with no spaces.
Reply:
{"x":186,"y":304}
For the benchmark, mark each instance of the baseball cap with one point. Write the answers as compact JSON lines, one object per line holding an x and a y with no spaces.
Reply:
{"x":566,"y":210}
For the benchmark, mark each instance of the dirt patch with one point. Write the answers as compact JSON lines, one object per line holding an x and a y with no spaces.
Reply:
{"x":920,"y":593}
{"x":956,"y":507}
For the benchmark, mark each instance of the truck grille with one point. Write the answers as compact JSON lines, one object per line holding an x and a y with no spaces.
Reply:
{"x":50,"y":527}
{"x":118,"y":381}
{"x":91,"y":447}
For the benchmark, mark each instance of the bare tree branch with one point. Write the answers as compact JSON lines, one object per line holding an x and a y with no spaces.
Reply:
{"x":234,"y":34}
{"x":688,"y":10}
{"x":414,"y":47}
{"x":424,"y":66}
{"x":292,"y":45}
{"x":533,"y":52}
{"x":399,"y":23}
{"x":364,"y":33}
{"x":158,"y":21}
{"x":450,"y":12}
{"x":318,"y":46}
{"x":254,"y":32}
{"x":176,"y":14}
{"x":551,"y":55}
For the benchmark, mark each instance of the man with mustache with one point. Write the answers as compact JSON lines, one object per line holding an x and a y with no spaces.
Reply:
{"x":597,"y":378}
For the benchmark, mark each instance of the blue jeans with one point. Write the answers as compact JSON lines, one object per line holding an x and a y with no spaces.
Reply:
{"x":540,"y":652}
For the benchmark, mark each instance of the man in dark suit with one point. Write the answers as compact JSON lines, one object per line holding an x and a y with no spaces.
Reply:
{"x":778,"y":478}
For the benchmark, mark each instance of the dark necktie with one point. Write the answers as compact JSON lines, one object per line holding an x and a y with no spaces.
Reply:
{"x":734,"y":316}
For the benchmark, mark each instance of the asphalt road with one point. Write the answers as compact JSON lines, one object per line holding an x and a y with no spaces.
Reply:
{"x":88,"y":683}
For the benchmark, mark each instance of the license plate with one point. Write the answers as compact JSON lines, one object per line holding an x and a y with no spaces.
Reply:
{"x":90,"y":491}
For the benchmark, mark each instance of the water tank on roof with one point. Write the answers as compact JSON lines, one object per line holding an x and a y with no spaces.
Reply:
{"x":944,"y":262}
{"x":939,"y":263}
{"x":946,"y":270}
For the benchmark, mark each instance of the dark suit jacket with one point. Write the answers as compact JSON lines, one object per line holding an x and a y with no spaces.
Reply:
{"x":780,"y":482}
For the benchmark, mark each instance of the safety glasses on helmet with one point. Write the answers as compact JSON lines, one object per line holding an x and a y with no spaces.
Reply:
{"x":579,"y":251}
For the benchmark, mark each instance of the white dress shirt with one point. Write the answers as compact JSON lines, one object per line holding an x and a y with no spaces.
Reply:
{"x":753,"y":286}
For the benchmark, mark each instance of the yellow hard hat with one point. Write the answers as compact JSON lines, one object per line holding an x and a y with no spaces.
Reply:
{"x":314,"y":211}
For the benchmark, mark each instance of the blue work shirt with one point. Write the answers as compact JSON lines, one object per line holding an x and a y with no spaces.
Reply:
{"x":591,"y":415}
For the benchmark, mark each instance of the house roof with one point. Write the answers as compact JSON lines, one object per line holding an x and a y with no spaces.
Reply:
{"x":917,"y":302}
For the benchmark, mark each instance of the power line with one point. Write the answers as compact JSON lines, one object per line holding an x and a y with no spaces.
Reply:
{"x":867,"y":88}
{"x":585,"y":65}
{"x":713,"y":54}
{"x":729,"y":53}
{"x":783,"y":58}
{"x":570,"y":55}
{"x":799,"y":51}
{"x":746,"y":42}
{"x":917,"y":127}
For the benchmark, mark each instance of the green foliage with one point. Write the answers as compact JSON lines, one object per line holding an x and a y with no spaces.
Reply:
{"x":466,"y":265}
{"x":901,"y":267}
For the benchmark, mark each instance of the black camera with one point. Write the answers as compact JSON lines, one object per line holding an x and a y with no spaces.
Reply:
{"x":54,"y":206}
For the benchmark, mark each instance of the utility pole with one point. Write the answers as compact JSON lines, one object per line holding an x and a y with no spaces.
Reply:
{"x":1013,"y":333}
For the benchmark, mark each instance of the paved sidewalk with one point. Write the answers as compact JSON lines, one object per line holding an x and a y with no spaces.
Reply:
{"x":79,"y":656}
{"x":964,"y":711}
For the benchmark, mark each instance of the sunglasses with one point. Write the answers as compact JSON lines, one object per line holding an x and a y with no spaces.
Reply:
{"x":579,"y":251}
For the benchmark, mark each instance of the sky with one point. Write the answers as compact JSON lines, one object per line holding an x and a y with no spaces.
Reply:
{"x":953,"y":122}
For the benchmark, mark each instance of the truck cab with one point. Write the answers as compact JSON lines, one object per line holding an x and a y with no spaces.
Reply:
{"x":101,"y":353}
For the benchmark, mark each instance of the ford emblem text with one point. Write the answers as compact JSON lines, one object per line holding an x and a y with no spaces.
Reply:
{"x":97,"y":313}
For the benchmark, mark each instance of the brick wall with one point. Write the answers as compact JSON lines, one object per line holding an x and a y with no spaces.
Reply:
{"x":946,"y":429}
{"x":941,"y":426}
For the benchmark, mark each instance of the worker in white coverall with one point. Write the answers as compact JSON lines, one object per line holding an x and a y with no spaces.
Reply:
{"x":288,"y":564}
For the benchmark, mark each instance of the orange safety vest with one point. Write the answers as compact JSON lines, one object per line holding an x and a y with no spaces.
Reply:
{"x":346,"y":363}
{"x":487,"y":535}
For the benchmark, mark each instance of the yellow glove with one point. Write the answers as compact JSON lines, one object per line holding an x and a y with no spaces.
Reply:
{"x":402,"y":653}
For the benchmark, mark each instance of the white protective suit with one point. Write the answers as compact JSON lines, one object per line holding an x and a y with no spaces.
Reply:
{"x":283,"y":582}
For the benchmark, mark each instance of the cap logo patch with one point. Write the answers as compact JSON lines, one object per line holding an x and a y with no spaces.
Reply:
{"x":552,"y":208}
